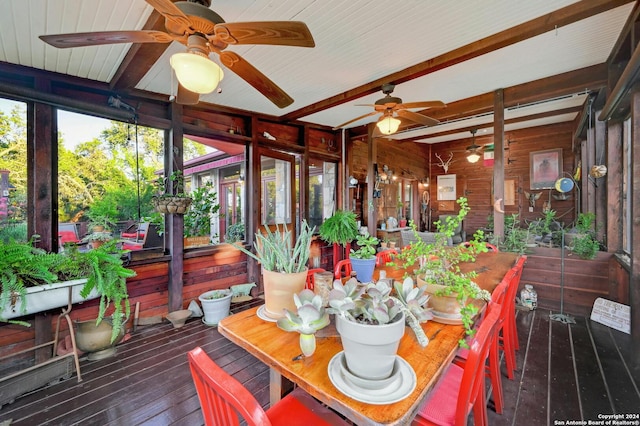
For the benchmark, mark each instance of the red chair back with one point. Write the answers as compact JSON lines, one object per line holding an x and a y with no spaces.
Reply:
{"x":385,"y":256}
{"x":221,"y":395}
{"x":342,"y":269}
{"x":311,"y":279}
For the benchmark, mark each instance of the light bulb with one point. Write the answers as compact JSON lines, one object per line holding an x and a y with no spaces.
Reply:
{"x":196,"y":72}
{"x":388,"y":125}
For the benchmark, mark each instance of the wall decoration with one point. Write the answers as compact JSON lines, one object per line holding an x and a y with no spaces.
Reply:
{"x":446,"y":187}
{"x":544,"y":168}
{"x":509,"y":192}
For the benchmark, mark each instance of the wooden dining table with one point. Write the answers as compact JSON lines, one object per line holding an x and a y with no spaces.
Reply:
{"x":280,"y":350}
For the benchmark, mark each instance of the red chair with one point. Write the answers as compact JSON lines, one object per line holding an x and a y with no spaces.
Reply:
{"x":462,"y":390}
{"x":493,"y":366}
{"x":490,"y":246}
{"x":223,"y":399}
{"x":311,"y":279}
{"x":342,"y":269}
{"x":385,"y":256}
{"x":509,"y":337}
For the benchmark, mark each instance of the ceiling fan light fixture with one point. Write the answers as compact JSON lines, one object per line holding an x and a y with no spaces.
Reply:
{"x":473,"y":157}
{"x":388,"y":125}
{"x":473,"y":149}
{"x":196,"y":72}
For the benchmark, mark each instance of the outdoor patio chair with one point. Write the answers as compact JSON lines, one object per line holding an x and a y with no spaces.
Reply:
{"x":151,"y":239}
{"x":462,"y":390}
{"x":135,"y":231}
{"x":223,"y":399}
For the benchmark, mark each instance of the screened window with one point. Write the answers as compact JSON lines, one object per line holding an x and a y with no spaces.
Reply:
{"x":322,"y":191}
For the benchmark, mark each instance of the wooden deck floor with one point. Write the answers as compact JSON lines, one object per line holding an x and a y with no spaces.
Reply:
{"x":565,"y":372}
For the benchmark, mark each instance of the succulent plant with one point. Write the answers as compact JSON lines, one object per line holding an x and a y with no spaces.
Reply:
{"x":311,"y":317}
{"x":375,"y":303}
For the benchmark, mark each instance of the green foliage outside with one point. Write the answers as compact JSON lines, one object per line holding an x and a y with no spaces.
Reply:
{"x":99,"y":175}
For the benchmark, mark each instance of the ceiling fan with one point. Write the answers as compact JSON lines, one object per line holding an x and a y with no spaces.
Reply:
{"x":203,"y":31}
{"x":396,"y":114}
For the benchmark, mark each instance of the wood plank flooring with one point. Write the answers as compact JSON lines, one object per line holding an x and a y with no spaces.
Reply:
{"x":565,"y":372}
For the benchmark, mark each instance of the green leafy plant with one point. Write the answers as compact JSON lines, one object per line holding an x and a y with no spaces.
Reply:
{"x":366,"y":247}
{"x":438,"y":264}
{"x":375,"y":303}
{"x":583,"y":241}
{"x":276,"y":251}
{"x":341,"y":228}
{"x":102,"y":236}
{"x":235,"y":233}
{"x":197,"y":220}
{"x":22,"y":266}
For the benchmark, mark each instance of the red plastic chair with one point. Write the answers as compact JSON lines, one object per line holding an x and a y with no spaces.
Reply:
{"x":493,"y":366}
{"x":462,"y":390}
{"x":342,"y":269}
{"x":385,"y":256}
{"x":223,"y":399}
{"x":490,"y":246}
{"x":509,"y":337}
{"x":311,"y":279}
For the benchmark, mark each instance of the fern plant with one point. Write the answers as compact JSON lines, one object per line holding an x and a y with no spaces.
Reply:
{"x":22,"y":265}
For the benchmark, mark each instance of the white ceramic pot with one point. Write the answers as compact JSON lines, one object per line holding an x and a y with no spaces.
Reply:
{"x":215,"y":309}
{"x":370,"y":350}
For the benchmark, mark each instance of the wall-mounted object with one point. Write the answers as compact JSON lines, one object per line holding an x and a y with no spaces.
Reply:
{"x":545,"y":167}
{"x":446,"y":187}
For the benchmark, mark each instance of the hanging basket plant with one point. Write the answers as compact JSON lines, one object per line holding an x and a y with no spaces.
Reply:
{"x":172,"y":200}
{"x":171,"y":204}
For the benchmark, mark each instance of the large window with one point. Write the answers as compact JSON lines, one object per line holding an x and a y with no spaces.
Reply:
{"x":322,"y":191}
{"x":13,"y":170}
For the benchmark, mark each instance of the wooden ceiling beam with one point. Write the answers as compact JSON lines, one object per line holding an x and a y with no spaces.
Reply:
{"x":561,"y":17}
{"x":140,"y":57}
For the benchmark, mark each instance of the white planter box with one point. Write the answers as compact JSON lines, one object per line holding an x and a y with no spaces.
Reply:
{"x":48,"y":296}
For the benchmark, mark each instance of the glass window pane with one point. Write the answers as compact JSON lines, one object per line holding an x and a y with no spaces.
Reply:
{"x":276,"y":190}
{"x":322,"y":191}
{"x":13,"y":170}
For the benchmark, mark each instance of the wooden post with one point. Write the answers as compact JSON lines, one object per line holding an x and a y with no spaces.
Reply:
{"x":498,"y":161}
{"x":173,"y":154}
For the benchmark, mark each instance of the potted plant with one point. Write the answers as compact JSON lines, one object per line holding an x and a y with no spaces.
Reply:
{"x":310,"y":316}
{"x":340,"y":229}
{"x":371,"y":321}
{"x":97,"y":238}
{"x":215,"y":305}
{"x":582,"y":238}
{"x":451,"y":290}
{"x":101,"y":218}
{"x":284,"y":266}
{"x":234,"y":233}
{"x":363,"y":260}
{"x":197,"y":219}
{"x":174,"y":200}
{"x":96,"y":273}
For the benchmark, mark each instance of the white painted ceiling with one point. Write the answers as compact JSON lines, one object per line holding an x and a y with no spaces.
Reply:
{"x":357,"y":41}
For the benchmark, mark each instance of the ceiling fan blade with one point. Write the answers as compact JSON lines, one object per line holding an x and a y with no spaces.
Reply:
{"x":171,"y":12}
{"x":281,"y":33}
{"x":259,"y":81}
{"x":418,"y":118}
{"x":355,"y":119}
{"x":424,"y":104}
{"x":186,"y":97}
{"x":105,"y":37}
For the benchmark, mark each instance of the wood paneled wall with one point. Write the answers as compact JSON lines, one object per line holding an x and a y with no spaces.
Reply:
{"x":475,"y":180}
{"x":584,"y":280}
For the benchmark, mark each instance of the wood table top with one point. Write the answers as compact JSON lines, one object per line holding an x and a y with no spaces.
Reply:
{"x":280,"y":350}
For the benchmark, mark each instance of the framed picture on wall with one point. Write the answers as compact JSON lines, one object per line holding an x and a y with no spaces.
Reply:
{"x":446,"y":187}
{"x":545,"y":167}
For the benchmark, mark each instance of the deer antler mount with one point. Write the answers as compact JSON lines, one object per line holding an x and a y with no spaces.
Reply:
{"x":445,"y":164}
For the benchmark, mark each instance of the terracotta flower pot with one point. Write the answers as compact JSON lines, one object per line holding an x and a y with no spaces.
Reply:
{"x":279,"y":289}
